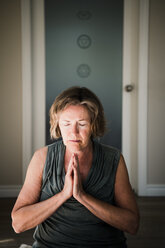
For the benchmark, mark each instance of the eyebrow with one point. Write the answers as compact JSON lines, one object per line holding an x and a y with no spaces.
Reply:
{"x":66,"y":120}
{"x":78,"y":120}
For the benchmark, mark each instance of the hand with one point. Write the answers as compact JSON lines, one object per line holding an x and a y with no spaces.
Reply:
{"x":77,"y":183}
{"x":68,"y":185}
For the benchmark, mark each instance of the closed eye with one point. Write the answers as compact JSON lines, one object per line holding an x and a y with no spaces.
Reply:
{"x":82,"y":124}
{"x":66,"y":124}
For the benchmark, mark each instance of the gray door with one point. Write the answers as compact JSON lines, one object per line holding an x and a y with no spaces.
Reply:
{"x":84,"y":47}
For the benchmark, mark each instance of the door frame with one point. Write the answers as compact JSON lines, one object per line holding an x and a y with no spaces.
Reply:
{"x":33,"y":80}
{"x":144,"y":189}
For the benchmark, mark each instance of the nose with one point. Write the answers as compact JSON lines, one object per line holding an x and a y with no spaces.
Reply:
{"x":75,"y":128}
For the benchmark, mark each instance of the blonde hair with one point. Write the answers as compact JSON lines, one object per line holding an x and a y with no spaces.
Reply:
{"x":78,"y":96}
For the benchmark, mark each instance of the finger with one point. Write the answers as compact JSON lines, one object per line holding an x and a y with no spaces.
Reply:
{"x":76,"y":177}
{"x":77,"y":183}
{"x":70,"y":171}
{"x":70,"y":166}
{"x":76,"y":162}
{"x":77,"y":173}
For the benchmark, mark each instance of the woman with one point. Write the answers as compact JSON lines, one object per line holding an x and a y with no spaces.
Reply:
{"x":77,"y":191}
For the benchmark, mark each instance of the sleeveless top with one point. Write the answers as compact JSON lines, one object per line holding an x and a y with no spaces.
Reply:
{"x":73,"y":225}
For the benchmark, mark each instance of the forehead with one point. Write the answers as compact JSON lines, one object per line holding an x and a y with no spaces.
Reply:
{"x":75,"y":112}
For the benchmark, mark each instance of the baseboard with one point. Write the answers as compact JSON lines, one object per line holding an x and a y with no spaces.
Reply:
{"x":155,"y":190}
{"x":9,"y":190}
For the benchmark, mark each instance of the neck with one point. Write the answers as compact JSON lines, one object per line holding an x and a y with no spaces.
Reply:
{"x":83,"y":154}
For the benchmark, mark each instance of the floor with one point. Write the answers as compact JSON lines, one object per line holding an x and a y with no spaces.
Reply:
{"x":151,"y":233}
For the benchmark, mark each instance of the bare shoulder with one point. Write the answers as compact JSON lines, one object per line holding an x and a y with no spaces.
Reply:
{"x":41,"y":154}
{"x":124,"y":195}
{"x":31,"y":189}
{"x":39,"y":158}
{"x":122,"y":173}
{"x":36,"y":166}
{"x":122,"y":183}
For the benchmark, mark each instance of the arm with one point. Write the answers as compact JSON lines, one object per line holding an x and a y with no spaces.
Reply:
{"x":28,"y":212}
{"x":125,"y":215}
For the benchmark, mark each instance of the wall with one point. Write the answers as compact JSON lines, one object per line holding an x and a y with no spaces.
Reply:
{"x":100,"y":60}
{"x":10,"y":95}
{"x":156,"y":94}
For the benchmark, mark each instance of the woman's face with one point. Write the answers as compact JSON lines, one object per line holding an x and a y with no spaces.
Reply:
{"x":75,"y":126}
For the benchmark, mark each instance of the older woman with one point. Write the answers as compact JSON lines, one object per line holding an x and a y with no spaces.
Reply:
{"x":77,"y":190}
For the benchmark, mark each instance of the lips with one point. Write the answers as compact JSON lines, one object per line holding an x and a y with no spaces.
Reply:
{"x":75,"y":141}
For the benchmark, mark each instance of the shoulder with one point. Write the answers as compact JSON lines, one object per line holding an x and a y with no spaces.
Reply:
{"x":41,"y":154}
{"x":56,"y":145}
{"x":37,"y":162}
{"x":108,"y":151}
{"x":122,"y":169}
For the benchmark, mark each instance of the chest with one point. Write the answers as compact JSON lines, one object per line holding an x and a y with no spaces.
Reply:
{"x":84,"y":167}
{"x":97,"y":174}
{"x":84,"y":171}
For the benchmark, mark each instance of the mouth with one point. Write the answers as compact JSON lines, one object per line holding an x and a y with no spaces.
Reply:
{"x":75,"y":141}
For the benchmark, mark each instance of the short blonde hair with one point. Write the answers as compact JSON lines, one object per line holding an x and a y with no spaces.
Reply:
{"x":78,"y":96}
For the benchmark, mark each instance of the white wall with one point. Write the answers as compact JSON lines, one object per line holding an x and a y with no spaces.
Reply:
{"x":10,"y":97}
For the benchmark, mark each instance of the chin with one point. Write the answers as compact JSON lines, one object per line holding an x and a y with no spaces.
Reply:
{"x":74,"y":147}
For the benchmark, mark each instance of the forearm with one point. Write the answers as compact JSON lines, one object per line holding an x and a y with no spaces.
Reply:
{"x":30,"y":216}
{"x":120,"y":218}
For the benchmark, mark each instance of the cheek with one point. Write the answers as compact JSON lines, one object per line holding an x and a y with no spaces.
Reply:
{"x":87,"y":134}
{"x":64,"y":137}
{"x":63,"y":132}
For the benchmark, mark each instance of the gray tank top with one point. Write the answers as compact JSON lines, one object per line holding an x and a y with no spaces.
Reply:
{"x":73,"y":225}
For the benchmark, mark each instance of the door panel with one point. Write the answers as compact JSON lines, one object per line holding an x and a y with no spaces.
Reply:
{"x":84,"y":48}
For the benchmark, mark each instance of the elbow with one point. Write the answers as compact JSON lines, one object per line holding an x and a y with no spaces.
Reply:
{"x":134,"y":226}
{"x":133,"y":230}
{"x":16,"y":228}
{"x":16,"y":224}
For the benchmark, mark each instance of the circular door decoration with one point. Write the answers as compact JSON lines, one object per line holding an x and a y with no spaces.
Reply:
{"x":84,"y":15}
{"x":83,"y":70}
{"x":84,"y":41}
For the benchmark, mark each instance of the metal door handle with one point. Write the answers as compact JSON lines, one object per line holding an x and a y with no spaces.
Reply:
{"x":129,"y":88}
